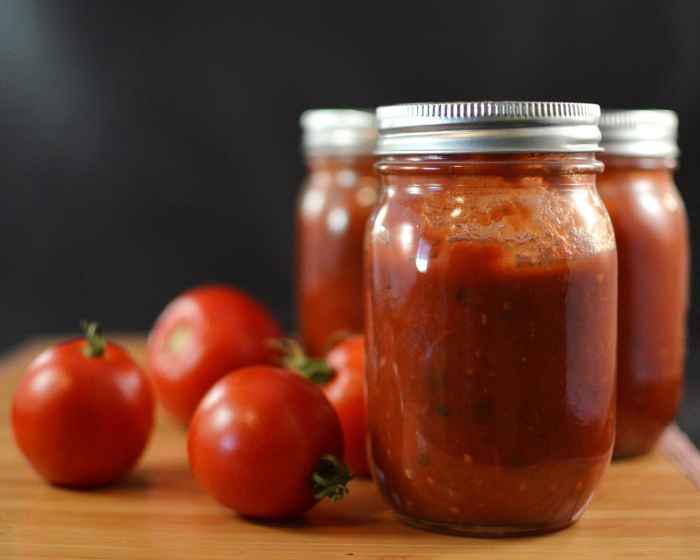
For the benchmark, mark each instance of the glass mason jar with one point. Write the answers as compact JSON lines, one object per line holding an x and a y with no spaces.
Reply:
{"x":651,"y":229}
{"x":491,"y":302}
{"x":338,"y":196}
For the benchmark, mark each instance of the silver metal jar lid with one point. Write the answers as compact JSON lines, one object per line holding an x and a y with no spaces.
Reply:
{"x":339,"y":131}
{"x":640,"y":133}
{"x":488,"y":127}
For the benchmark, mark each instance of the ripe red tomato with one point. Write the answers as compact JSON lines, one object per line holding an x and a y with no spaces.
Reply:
{"x":83,"y":413}
{"x":346,"y":391}
{"x":266,"y":443}
{"x":342,"y":377}
{"x":202,"y":335}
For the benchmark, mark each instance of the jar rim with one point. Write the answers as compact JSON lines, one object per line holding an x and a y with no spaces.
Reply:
{"x":534,"y":163}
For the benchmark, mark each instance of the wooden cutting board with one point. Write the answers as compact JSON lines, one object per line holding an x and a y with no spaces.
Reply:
{"x":646,"y":508}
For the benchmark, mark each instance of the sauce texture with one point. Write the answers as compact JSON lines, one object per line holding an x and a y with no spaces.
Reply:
{"x":491,"y":307}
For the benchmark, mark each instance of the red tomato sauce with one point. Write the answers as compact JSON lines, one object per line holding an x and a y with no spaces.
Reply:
{"x":339,"y":195}
{"x":652,"y":237}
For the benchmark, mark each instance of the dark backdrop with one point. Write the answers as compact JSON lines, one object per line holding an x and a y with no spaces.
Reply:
{"x":146,"y":147}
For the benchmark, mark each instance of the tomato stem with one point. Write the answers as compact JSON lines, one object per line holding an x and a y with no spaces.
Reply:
{"x":294,"y":358}
{"x":330,"y":479}
{"x":96,"y":341}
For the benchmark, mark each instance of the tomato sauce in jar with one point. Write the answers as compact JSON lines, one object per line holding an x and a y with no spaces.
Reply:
{"x":651,"y":229}
{"x":491,"y":301}
{"x":338,"y":196}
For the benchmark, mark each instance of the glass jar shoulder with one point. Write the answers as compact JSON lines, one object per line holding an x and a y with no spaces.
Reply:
{"x":346,"y":188}
{"x":643,"y":201}
{"x":535,"y":219}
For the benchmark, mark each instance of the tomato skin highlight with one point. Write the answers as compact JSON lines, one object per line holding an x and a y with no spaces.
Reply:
{"x":83,"y":421}
{"x":202,"y":335}
{"x":257,"y":438}
{"x":346,"y":392}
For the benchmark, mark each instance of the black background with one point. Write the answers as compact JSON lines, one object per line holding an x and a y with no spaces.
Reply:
{"x":146,"y":147}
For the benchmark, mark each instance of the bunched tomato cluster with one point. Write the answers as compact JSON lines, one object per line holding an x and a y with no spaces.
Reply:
{"x":252,"y":400}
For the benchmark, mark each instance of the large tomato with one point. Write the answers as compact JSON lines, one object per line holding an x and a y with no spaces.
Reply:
{"x":267,"y":443}
{"x":83,"y":413}
{"x":341,"y":375}
{"x":201,"y":336}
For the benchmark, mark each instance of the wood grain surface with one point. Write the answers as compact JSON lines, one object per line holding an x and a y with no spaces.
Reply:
{"x":645,"y":508}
